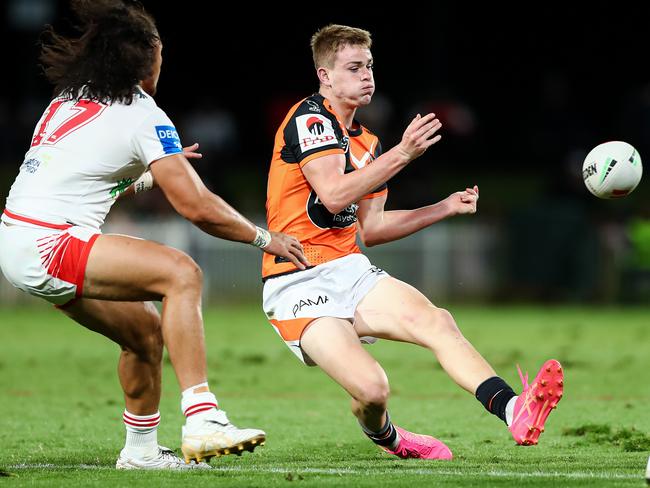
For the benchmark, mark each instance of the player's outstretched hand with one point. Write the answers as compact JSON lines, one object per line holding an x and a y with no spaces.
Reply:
{"x":190,"y":151}
{"x":287,"y":247}
{"x":419,"y":136}
{"x":463,"y":202}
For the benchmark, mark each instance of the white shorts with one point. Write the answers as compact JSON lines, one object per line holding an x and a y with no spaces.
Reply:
{"x":333,"y":289}
{"x":46,"y":260}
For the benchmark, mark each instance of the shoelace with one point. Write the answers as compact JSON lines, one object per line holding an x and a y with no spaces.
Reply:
{"x":524,"y":379}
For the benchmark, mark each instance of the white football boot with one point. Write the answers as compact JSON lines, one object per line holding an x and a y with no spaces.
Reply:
{"x":165,"y":458}
{"x":211,"y":434}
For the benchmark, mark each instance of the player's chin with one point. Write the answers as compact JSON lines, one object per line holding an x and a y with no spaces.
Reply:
{"x":365,"y":99}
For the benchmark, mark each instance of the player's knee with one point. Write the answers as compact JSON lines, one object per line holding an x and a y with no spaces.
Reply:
{"x":443,"y":321}
{"x":187,"y":275}
{"x":375,"y":393}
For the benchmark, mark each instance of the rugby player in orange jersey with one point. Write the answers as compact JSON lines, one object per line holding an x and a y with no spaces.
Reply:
{"x":327,"y":183}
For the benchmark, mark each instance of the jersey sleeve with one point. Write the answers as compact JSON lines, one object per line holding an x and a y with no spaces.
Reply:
{"x":383,"y":188}
{"x":155,"y":138}
{"x":311,"y":132}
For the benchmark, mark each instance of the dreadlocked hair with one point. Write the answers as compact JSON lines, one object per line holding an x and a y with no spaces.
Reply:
{"x":114,"y":52}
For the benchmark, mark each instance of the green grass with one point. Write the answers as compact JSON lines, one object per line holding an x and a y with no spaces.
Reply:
{"x":61,"y":405}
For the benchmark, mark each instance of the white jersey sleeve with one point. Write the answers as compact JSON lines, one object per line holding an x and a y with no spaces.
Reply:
{"x":155,"y":138}
{"x":84,"y":154}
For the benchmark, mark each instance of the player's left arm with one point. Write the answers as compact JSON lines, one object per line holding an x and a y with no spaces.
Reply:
{"x":378,"y":226}
{"x":147,"y":182}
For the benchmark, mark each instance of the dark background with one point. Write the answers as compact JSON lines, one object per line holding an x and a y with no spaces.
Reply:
{"x":524,"y":93}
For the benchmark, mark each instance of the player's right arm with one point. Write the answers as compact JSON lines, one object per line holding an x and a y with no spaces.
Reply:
{"x":189,"y":196}
{"x":337,"y":189}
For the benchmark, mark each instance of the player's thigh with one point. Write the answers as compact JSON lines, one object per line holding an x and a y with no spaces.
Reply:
{"x":398,"y":311}
{"x":133,"y":325}
{"x":126,"y":268}
{"x":334,"y":346}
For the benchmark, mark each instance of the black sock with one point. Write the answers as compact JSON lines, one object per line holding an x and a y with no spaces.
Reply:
{"x":494,"y":394}
{"x":385,"y":437}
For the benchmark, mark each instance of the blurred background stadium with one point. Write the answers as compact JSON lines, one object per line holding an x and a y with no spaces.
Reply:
{"x":522,"y":102}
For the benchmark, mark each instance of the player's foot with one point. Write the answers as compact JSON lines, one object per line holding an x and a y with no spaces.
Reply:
{"x":536,"y":402}
{"x":213,"y":435}
{"x":165,"y":458}
{"x":647,"y":472}
{"x":419,"y":446}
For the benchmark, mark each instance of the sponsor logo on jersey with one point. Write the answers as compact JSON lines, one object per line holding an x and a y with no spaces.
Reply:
{"x":308,"y":302}
{"x":313,"y":106}
{"x":322,"y":218}
{"x":169,"y":139}
{"x":314,"y":131}
{"x":30,"y":165}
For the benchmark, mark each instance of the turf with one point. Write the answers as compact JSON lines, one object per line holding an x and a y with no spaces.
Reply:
{"x":61,"y":405}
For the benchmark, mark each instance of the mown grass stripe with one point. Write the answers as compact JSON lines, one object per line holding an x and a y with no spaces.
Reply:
{"x":374,"y":471}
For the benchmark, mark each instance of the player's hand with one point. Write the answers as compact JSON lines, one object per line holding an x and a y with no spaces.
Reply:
{"x":190,"y":151}
{"x":463,"y":202}
{"x":287,"y":247}
{"x":419,"y":136}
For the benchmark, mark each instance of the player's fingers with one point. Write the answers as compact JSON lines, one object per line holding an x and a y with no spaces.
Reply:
{"x":297,"y":249}
{"x":294,"y":259}
{"x":426,"y":134}
{"x":419,"y":121}
{"x":190,"y":151}
{"x":433,"y":123}
{"x":431,"y":142}
{"x":295,"y":242}
{"x":303,"y":259}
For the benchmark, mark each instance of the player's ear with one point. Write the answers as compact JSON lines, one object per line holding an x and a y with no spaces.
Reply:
{"x":323,"y":76}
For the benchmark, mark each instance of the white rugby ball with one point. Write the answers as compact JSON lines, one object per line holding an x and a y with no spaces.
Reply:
{"x":612,"y":169}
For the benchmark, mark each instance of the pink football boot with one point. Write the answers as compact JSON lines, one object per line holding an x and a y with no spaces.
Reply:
{"x":536,"y":402}
{"x":419,"y":446}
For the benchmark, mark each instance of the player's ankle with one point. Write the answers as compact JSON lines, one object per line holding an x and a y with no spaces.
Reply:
{"x":141,"y":434}
{"x":197,"y":401}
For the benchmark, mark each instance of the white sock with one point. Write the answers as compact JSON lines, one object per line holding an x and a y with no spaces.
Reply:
{"x":141,"y":434}
{"x":195,"y":406}
{"x":510,"y":408}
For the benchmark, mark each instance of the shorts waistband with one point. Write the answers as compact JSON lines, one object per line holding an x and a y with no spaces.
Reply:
{"x":37,"y":222}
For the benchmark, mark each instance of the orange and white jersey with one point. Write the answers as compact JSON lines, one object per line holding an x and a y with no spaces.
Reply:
{"x":312,"y":130}
{"x":83,"y":154}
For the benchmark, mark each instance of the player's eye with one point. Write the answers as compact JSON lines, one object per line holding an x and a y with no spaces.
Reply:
{"x":371,"y":66}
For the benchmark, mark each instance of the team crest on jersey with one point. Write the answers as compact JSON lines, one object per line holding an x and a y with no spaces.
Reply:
{"x":169,"y":139}
{"x":345,"y":144}
{"x":314,"y":131}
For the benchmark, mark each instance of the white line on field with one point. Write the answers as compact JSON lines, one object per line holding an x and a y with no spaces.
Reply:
{"x":341,"y":471}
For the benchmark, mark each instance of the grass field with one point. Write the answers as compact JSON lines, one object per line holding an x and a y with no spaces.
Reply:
{"x":61,"y":405}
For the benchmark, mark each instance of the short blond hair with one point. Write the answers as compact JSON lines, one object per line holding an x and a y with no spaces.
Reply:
{"x":327,"y":41}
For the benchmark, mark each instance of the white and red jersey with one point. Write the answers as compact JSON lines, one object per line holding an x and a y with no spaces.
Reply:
{"x":83,"y":155}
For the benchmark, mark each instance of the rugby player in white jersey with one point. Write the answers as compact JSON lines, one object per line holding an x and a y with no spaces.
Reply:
{"x":100,"y":135}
